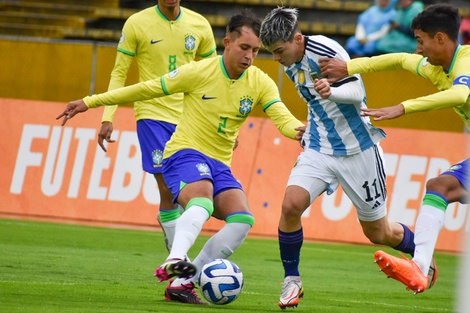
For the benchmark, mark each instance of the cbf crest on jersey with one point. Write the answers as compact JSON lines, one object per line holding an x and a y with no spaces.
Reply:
{"x":203,"y":169}
{"x":246,"y":103}
{"x":189,"y":42}
{"x":157,"y":158}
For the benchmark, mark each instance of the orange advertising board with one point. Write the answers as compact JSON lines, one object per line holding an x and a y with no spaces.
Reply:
{"x":61,"y":173}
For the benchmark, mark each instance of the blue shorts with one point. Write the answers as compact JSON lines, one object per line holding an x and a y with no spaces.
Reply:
{"x":188,"y":166}
{"x":153,"y":136}
{"x":459,"y":171}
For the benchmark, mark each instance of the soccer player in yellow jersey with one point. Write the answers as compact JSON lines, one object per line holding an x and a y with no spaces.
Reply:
{"x":441,"y":59}
{"x":219,"y":95}
{"x":161,"y":38}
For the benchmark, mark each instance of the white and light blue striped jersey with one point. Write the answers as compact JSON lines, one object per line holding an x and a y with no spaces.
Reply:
{"x":335,"y":126}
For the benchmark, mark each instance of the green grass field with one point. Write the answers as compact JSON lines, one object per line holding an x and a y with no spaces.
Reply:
{"x":48,"y":267}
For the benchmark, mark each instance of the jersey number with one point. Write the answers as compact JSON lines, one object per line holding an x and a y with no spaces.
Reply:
{"x":172,"y":60}
{"x":222,"y":125}
{"x":369,"y":191}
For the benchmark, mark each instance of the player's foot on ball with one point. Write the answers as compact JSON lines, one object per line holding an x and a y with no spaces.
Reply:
{"x":404,"y":270}
{"x":175,"y":267}
{"x":185,"y":293}
{"x":292,"y":291}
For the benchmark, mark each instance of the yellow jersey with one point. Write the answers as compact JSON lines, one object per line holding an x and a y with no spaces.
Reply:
{"x":454,"y":85}
{"x":159,"y":46}
{"x":215,"y":106}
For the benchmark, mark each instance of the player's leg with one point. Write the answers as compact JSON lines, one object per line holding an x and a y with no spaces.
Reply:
{"x":230,"y":205}
{"x":383,"y":232}
{"x":290,"y":236}
{"x":169,"y":212}
{"x":304,"y":185}
{"x":194,"y":192}
{"x":153,"y":136}
{"x":188,"y":227}
{"x":221,"y":245}
{"x":363,"y":179}
{"x":451,"y":186}
{"x":420,"y":273}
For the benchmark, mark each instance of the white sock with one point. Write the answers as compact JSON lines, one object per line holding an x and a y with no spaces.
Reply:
{"x":188,"y":227}
{"x":169,"y":229}
{"x":221,"y":245}
{"x":428,"y":226}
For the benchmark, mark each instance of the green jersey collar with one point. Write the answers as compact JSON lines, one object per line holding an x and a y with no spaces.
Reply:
{"x":157,"y":9}
{"x":224,"y":70}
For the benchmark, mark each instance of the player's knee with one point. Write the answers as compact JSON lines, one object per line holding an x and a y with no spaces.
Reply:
{"x":205,"y":203}
{"x":434,"y":184}
{"x":292,"y":209}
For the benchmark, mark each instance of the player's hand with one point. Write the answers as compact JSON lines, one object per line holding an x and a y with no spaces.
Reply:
{"x":105,"y":134}
{"x":333,"y":69}
{"x":322,"y":86}
{"x":386,"y":113}
{"x":71,"y":110}
{"x":300,"y":132}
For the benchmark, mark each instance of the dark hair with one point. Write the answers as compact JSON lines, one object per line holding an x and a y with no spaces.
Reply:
{"x":279,"y":25}
{"x":436,"y":18}
{"x":245,"y":18}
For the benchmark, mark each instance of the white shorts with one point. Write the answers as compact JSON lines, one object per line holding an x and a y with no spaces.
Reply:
{"x":362,"y":177}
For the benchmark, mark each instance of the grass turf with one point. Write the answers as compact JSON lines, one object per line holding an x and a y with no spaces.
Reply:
{"x":49,"y":267}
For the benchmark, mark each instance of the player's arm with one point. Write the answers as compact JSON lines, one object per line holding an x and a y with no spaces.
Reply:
{"x":277,"y":111}
{"x":335,"y":69}
{"x":456,"y":96}
{"x":348,"y":90}
{"x":118,"y":80}
{"x":141,"y":91}
{"x":287,"y":124}
{"x":208,"y":47}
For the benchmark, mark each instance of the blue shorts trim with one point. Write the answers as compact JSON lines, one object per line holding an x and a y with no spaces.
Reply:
{"x":459,"y":171}
{"x":188,"y":166}
{"x":153,"y":136}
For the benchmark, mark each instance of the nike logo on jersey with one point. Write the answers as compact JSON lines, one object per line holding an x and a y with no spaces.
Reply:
{"x":155,"y":41}
{"x":204,"y":97}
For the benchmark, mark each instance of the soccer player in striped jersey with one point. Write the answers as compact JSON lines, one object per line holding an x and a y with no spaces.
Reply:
{"x":340,"y":147}
{"x":219,"y":95}
{"x":442,"y":60}
{"x":160,"y":38}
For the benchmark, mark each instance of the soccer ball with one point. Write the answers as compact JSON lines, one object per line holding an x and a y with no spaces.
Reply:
{"x":221,"y":281}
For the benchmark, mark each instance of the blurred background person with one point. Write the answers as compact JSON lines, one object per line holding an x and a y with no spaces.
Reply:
{"x":464,"y":31}
{"x":372,"y":24}
{"x":400,"y":37}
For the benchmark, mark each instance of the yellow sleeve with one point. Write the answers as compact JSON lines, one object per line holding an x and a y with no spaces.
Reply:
{"x":283,"y":119}
{"x":137,"y":92}
{"x":118,"y":80}
{"x":455,"y":96}
{"x":385,"y":62}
